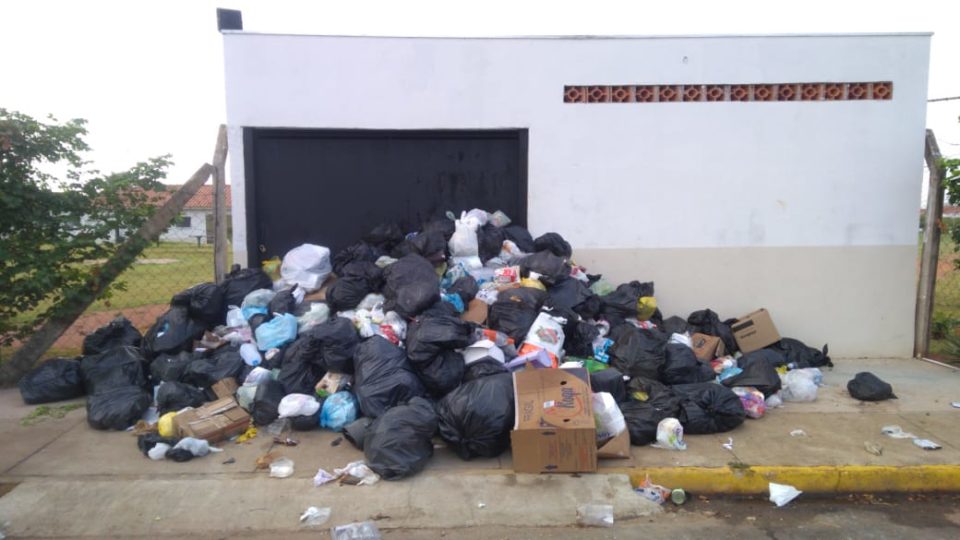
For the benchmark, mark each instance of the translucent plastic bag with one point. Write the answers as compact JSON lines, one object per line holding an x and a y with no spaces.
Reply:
{"x":800,"y":385}
{"x":307,"y":265}
{"x":464,"y":241}
{"x":338,"y":410}
{"x":276,"y":332}
{"x":298,"y":405}
{"x":609,"y":419}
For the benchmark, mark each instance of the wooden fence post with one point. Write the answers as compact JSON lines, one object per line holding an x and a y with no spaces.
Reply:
{"x":220,"y":206}
{"x":927,"y":283}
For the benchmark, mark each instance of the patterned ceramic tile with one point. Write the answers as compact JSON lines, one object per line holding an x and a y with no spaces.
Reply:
{"x":622,"y":94}
{"x":789,"y":91}
{"x":668,"y":93}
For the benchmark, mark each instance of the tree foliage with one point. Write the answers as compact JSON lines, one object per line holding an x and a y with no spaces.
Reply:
{"x":60,"y":219}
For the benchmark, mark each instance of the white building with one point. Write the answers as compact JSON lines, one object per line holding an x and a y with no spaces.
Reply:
{"x":736,"y":172}
{"x":195,"y":222}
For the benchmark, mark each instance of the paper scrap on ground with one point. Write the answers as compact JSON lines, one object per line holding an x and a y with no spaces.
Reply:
{"x":896,"y":432}
{"x":955,"y":404}
{"x":729,"y":444}
{"x":355,"y":472}
{"x":314,"y":516}
{"x":873,"y":448}
{"x":781,"y":494}
{"x":798,"y":433}
{"x":927,"y":444}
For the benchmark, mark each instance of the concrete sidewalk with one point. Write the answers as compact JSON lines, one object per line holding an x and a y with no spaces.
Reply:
{"x":65,"y":472}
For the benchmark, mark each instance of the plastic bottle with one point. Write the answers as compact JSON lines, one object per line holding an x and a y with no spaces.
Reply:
{"x":250,"y":354}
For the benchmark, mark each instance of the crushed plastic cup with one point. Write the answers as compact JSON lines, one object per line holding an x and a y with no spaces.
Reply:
{"x":281,"y":468}
{"x":364,"y":530}
{"x":313,"y":516}
{"x":595,"y":515}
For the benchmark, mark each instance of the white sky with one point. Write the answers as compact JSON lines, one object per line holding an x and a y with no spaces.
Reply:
{"x":148,"y":75}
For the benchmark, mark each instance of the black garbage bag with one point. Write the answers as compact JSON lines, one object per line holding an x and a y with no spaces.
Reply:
{"x":360,"y":251}
{"x":266,"y":402}
{"x":708,"y":408}
{"x":466,"y":287}
{"x":304,"y":422}
{"x":204,"y":303}
{"x":637,"y":352}
{"x":866,"y":386}
{"x":366,"y":270}
{"x":681,"y":366}
{"x":356,"y":431}
{"x":429,"y":335}
{"x":115,"y":368}
{"x":118,"y":407}
{"x":609,"y":380}
{"x":622,"y":303}
{"x":483,"y":368}
{"x":552,"y":269}
{"x":339,"y":341}
{"x":490,"y":241}
{"x":515,"y":310}
{"x":759,"y":371}
{"x":302,"y":365}
{"x":568,"y":293}
{"x":674,"y":325}
{"x":55,"y":379}
{"x":642,"y":386}
{"x":578,"y":338}
{"x":798,"y":353}
{"x":241,"y":282}
{"x":442,"y":373}
{"x":521,"y":237}
{"x":383,"y":377}
{"x":222,"y":363}
{"x":117,"y":333}
{"x":173,"y":396}
{"x":257,"y":319}
{"x":443,"y":225}
{"x":347,"y":292}
{"x":169,"y":367}
{"x":642,"y":417}
{"x":384,"y":236}
{"x":398,"y":444}
{"x":554,"y":243}
{"x":173,"y":332}
{"x":707,"y":322}
{"x":283,"y":302}
{"x":147,"y":441}
{"x":411,"y":286}
{"x":476,"y":418}
{"x":430,"y":245}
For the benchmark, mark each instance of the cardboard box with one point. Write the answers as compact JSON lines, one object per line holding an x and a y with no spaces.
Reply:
{"x":225,"y":388}
{"x":755,"y":331}
{"x":554,"y":429}
{"x":616,"y":448}
{"x":214,"y":421}
{"x":706,"y":347}
{"x":477,"y":311}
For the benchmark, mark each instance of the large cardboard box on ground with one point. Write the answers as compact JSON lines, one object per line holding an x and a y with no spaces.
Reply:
{"x":755,"y":331}
{"x":706,"y":347}
{"x":214,"y":421}
{"x":554,"y":429}
{"x":225,"y":388}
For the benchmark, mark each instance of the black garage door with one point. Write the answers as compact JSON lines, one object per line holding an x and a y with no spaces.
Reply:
{"x":329,"y":187}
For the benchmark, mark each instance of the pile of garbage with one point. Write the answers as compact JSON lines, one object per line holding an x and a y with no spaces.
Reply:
{"x":402,"y":337}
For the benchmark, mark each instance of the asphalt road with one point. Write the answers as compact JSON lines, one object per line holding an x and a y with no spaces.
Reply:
{"x":851,"y":517}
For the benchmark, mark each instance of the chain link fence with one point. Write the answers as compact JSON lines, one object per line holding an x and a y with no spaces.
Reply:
{"x":945,"y":324}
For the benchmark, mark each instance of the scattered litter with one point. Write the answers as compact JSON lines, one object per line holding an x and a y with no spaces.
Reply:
{"x":782,"y":494}
{"x":355,"y":473}
{"x":159,"y":451}
{"x":798,"y":433}
{"x":481,"y":505}
{"x":927,"y":444}
{"x":230,"y":461}
{"x":955,"y":404}
{"x":264,"y":461}
{"x":896,"y":432}
{"x":281,"y":468}
{"x":873,"y":448}
{"x":678,"y":496}
{"x":595,"y":515}
{"x":336,"y":442}
{"x":365,"y":530}
{"x":250,"y":433}
{"x":314,"y":516}
{"x":729,"y":444}
{"x":653,"y":492}
{"x":286,"y":441}
{"x":197,"y":447}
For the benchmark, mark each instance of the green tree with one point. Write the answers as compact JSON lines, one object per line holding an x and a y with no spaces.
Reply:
{"x":59,"y":218}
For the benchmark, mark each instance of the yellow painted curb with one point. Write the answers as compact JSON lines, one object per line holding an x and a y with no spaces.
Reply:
{"x":821,"y":479}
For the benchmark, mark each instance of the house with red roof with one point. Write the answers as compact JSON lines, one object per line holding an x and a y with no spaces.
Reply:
{"x":195,"y":222}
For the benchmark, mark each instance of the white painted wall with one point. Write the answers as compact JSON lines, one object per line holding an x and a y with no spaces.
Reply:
{"x":639,"y":176}
{"x":198,"y":226}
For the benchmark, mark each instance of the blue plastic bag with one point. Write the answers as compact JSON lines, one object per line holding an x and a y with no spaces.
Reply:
{"x":455,"y":300}
{"x":277,"y":332}
{"x":338,"y":410}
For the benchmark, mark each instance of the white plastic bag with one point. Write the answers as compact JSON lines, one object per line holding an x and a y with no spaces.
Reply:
{"x":307,"y":265}
{"x":298,"y":405}
{"x":464,"y":241}
{"x":159,"y":451}
{"x":781,"y":494}
{"x":235,"y":317}
{"x":595,"y":515}
{"x":546,"y":333}
{"x":609,"y":419}
{"x":281,"y":468}
{"x":475,"y":218}
{"x":799,"y":385}
{"x":670,"y":435}
{"x":257,"y":376}
{"x":318,"y":314}
{"x":314,"y":516}
{"x":197,"y":447}
{"x":682,"y":339}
